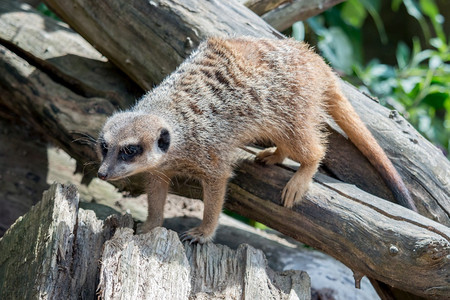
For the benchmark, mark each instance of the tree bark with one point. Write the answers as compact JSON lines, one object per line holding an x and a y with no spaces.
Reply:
{"x":281,"y":14}
{"x":260,"y":7}
{"x":53,"y":251}
{"x":65,"y":111}
{"x":68,"y":253}
{"x":57,"y":82}
{"x":371,"y":236}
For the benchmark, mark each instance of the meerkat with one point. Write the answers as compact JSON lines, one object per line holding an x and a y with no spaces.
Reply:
{"x":228,"y":93}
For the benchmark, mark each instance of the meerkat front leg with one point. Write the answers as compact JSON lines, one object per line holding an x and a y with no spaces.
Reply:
{"x":213,"y":198}
{"x":157,"y":189}
{"x":270,"y":156}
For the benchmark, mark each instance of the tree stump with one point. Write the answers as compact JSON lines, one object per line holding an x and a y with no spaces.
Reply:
{"x":58,"y":251}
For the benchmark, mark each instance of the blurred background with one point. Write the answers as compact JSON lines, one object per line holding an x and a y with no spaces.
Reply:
{"x":396,"y":51}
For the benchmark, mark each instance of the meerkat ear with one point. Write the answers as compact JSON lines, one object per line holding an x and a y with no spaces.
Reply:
{"x":164,"y":140}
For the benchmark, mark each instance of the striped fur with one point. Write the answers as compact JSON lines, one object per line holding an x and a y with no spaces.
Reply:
{"x":231,"y":92}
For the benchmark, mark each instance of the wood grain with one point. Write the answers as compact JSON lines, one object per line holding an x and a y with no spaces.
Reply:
{"x":64,"y":252}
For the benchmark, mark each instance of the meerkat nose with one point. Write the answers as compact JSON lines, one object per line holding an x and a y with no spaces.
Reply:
{"x":102,"y":176}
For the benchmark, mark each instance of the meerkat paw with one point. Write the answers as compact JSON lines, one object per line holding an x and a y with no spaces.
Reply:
{"x":269,"y":156}
{"x":196,"y":235}
{"x":146,"y":227}
{"x":294,"y":191}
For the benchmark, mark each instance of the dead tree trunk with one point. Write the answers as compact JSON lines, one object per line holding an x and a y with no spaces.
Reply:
{"x":45,"y":96}
{"x":66,"y":253}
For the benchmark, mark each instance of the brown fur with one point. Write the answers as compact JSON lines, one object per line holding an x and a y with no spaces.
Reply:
{"x":231,"y":92}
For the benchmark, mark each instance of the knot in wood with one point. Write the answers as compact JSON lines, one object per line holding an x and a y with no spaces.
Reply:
{"x":393,"y":250}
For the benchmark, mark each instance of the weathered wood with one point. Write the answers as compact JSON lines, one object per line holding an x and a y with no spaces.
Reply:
{"x":157,"y":266}
{"x":61,"y":53}
{"x":53,"y":251}
{"x":329,"y":277}
{"x":281,"y":14}
{"x":54,"y":74}
{"x":260,"y":7}
{"x":387,"y":242}
{"x":161,"y":23}
{"x":390,"y":132}
{"x":45,"y":232}
{"x":63,"y":247}
{"x":424,"y":168}
{"x":21,"y":182}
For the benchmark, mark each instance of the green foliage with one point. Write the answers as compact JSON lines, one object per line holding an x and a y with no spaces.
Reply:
{"x":418,"y":85}
{"x":245,"y":220}
{"x":43,"y":9}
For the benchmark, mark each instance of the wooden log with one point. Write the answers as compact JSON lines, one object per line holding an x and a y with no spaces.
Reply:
{"x":174,"y":36}
{"x":52,"y":73}
{"x":157,"y":266}
{"x":64,"y":249}
{"x":53,"y":251}
{"x":260,"y":7}
{"x":281,"y":14}
{"x":63,"y":55}
{"x":387,"y":242}
{"x":407,"y":149}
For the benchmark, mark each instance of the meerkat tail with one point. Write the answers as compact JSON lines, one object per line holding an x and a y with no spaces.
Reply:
{"x":345,"y":116}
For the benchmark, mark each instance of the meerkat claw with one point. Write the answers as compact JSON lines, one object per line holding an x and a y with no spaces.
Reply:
{"x":194,"y":235}
{"x":269,"y":156}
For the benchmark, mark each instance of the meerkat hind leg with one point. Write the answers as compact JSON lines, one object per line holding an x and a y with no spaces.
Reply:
{"x":309,"y":157}
{"x":270,"y":156}
{"x":213,"y":198}
{"x":298,"y":185}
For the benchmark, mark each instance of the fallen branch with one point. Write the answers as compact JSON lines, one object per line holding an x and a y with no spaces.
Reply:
{"x":372,"y":237}
{"x":281,"y":14}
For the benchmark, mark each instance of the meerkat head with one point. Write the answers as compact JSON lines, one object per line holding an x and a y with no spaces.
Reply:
{"x":130,"y":143}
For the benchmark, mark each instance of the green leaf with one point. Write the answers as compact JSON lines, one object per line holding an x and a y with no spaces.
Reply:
{"x":435,"y":62}
{"x":436,"y":100}
{"x":403,"y":55}
{"x":298,"y":31}
{"x":429,"y":8}
{"x":413,"y":10}
{"x":44,"y":10}
{"x":316,"y":24}
{"x":373,"y":7}
{"x":337,"y":49}
{"x":408,"y":84}
{"x":354,"y":13}
{"x":381,"y":70}
{"x":396,"y":4}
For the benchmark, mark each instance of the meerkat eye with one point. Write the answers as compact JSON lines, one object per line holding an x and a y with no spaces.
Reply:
{"x":104,"y":148}
{"x":164,"y":140}
{"x":130,"y":151}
